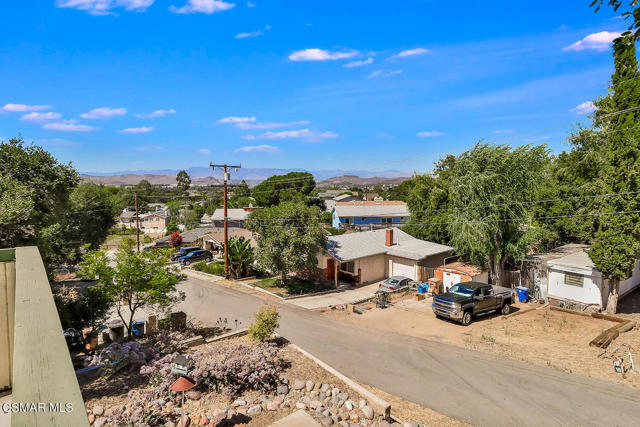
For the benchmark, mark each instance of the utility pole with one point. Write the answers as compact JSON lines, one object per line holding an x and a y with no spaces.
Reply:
{"x":135,"y":196}
{"x":225,"y":179}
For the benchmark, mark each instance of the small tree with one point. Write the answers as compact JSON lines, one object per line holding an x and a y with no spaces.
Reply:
{"x":326,"y":218}
{"x":265,"y":323}
{"x":183,"y":181}
{"x":175,"y":240}
{"x":138,"y":279}
{"x":289,"y":235}
{"x":241,"y":255}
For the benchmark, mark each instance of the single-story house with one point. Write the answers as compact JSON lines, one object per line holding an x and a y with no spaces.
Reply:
{"x":567,"y":275}
{"x":369,"y":256}
{"x":363,"y":214}
{"x":457,"y":272}
{"x":236,"y":217}
{"x":191,"y":237}
{"x":214,"y":241}
{"x":329,"y":194}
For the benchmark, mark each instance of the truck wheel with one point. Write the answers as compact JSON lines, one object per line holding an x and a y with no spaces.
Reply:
{"x":506,"y":308}
{"x":467,"y":318}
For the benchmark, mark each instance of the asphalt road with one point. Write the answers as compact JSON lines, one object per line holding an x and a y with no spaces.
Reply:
{"x":479,"y":388}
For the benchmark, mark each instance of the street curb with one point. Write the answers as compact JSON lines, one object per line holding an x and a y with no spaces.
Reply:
{"x":237,"y":333}
{"x":330,"y":291}
{"x":380,"y":404}
{"x":217,"y":279}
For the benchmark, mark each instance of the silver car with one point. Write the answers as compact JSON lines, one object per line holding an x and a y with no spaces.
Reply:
{"x":394,"y":283}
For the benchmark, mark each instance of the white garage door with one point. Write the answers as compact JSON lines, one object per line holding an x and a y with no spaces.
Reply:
{"x":402,"y":269}
{"x":450,"y":279}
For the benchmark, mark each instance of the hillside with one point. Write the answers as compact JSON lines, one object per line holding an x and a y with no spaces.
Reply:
{"x":352,"y":180}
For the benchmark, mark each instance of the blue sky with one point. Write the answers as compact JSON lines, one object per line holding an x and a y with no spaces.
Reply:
{"x":117,"y":85}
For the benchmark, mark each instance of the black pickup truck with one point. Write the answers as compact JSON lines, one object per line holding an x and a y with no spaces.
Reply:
{"x":468,"y":299}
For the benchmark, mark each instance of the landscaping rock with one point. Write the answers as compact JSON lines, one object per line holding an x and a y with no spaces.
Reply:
{"x":284,"y":380}
{"x":326,"y":421}
{"x":306,"y":400}
{"x":279,"y":400}
{"x":100,"y":422}
{"x":313,"y":394}
{"x":411,"y":424}
{"x":362,"y":403}
{"x":343,"y":396}
{"x":254,"y":410}
{"x":193,"y":395}
{"x":348,"y":405}
{"x":185,"y":421}
{"x":335,"y":392}
{"x":322,"y":396}
{"x":204,"y":421}
{"x":384,"y":423}
{"x":343,"y":424}
{"x":298,"y":385}
{"x":300,"y":405}
{"x":170,"y":424}
{"x":309,"y":385}
{"x":98,"y":410}
{"x":283,"y":389}
{"x":315,"y":404}
{"x":367,"y":411}
{"x":92,"y":418}
{"x":238,"y":402}
{"x":324,"y":388}
{"x":273,"y":406}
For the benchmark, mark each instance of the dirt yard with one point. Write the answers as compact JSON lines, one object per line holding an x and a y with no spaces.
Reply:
{"x":543,"y":337}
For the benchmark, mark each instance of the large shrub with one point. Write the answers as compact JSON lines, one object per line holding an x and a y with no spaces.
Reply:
{"x":215,"y":268}
{"x":265,"y":323}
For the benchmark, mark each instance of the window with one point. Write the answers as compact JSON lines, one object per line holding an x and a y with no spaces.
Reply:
{"x":348,"y":267}
{"x":573,"y":279}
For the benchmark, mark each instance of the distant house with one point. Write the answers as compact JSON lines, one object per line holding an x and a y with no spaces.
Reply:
{"x":371,"y":197}
{"x":369,"y":256}
{"x":191,"y":237}
{"x":236,"y":217}
{"x":567,"y":276}
{"x":127,"y":219}
{"x":347,"y":198}
{"x":155,"y":222}
{"x":329,"y":194}
{"x":363,"y":214}
{"x":456,"y":272}
{"x":206,"y":219}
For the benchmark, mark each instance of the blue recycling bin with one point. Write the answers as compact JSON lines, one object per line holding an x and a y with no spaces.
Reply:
{"x":422,"y":289}
{"x":523,"y":293}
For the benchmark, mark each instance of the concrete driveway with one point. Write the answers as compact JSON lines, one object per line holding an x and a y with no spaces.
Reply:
{"x":482,"y":389}
{"x":336,"y":298}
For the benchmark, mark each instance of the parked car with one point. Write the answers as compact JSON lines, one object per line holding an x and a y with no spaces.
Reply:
{"x":157,"y":244}
{"x":183,"y":251}
{"x":394,"y":283}
{"x":468,"y":299}
{"x":194,"y":256}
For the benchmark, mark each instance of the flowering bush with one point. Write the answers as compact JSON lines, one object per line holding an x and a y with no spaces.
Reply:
{"x":118,"y":356}
{"x":265,"y":323}
{"x":231,"y":369}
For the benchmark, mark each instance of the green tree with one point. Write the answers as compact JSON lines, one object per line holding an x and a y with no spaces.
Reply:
{"x":485,"y":223}
{"x":294,"y":186}
{"x":138,"y":280}
{"x":88,"y":309}
{"x":241,"y":256}
{"x":16,"y":207}
{"x":144,"y":188}
{"x":242,"y":189}
{"x":289,"y":237}
{"x":183,"y":180}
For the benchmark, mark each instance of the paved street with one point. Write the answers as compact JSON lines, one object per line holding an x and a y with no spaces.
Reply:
{"x":476,"y":387}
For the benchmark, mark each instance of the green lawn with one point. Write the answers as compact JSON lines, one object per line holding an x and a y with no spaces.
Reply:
{"x":294,"y":286}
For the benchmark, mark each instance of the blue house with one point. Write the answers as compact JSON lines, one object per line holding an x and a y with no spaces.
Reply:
{"x":364,"y":213}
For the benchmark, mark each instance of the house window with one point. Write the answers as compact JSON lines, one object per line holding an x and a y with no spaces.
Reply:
{"x":387,"y":220}
{"x":573,"y":279}
{"x":348,"y":267}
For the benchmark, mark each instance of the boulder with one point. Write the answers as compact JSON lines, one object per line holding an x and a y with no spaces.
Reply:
{"x":100,"y":422}
{"x":298,"y":385}
{"x":348,"y":405}
{"x":185,"y":421}
{"x":367,"y":411}
{"x":98,"y":410}
{"x":324,"y":388}
{"x":254,"y":410}
{"x":193,"y":395}
{"x":309,"y":385}
{"x":283,"y":389}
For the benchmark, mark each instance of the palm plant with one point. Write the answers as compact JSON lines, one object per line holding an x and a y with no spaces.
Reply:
{"x":241,"y":256}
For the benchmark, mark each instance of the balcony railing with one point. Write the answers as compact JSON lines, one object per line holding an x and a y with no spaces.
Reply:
{"x":44,"y":388}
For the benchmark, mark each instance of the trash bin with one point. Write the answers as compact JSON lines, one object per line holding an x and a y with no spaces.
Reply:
{"x":523,"y":293}
{"x":422,"y":289}
{"x":137,"y":328}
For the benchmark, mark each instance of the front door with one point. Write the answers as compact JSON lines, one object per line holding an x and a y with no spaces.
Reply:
{"x":331,"y":269}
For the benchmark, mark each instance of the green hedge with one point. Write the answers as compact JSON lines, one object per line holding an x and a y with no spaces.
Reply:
{"x":216,"y":267}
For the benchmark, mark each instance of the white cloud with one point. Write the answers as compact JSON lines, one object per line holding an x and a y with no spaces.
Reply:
{"x":234,"y":119}
{"x":203,"y":6}
{"x":249,"y":137}
{"x":257,"y":148}
{"x":359,"y":63}
{"x":103,"y":113}
{"x":103,"y":7}
{"x":204,"y":151}
{"x":384,"y":73}
{"x":584,"y":108}
{"x":269,"y":125}
{"x":309,"y":135}
{"x":68,"y":126}
{"x":60,"y":142}
{"x":597,"y":41}
{"x":149,"y":148}
{"x":141,"y":129}
{"x":410,"y":52}
{"x":156,"y":113}
{"x":320,"y":55}
{"x":40,"y":117}
{"x":429,"y":134}
{"x":253,"y":33}
{"x":23,"y":108}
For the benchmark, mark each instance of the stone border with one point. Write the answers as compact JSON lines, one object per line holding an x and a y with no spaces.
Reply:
{"x":381,"y":404}
{"x":237,"y":333}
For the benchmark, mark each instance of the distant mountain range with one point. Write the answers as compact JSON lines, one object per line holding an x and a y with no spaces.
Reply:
{"x":203,"y":176}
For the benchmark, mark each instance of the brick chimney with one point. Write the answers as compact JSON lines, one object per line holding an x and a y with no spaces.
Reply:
{"x":389,"y":239}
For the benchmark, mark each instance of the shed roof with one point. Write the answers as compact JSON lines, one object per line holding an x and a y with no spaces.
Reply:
{"x":362,"y":208}
{"x":579,"y":259}
{"x":559,"y":252}
{"x":352,"y":246}
{"x":464,"y":267}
